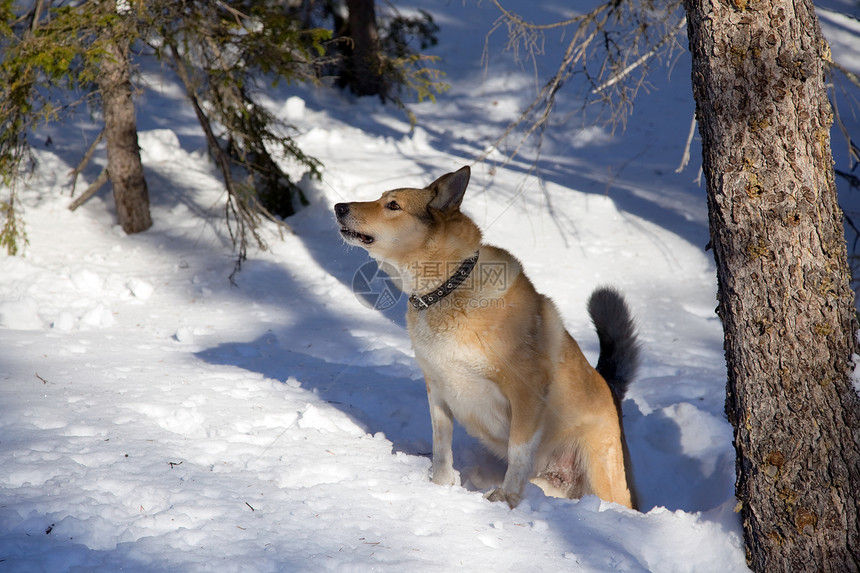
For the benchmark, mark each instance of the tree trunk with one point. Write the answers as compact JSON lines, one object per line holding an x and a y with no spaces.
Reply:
{"x":124,"y":166}
{"x":784,"y":297}
{"x":362,"y":65}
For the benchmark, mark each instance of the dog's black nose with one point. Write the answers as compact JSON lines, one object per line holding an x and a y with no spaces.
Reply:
{"x":341,"y":209}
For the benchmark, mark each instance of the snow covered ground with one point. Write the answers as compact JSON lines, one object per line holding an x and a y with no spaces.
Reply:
{"x":155,"y":418}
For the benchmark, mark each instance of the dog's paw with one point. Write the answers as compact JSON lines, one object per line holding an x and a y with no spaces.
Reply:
{"x":513,"y":499}
{"x":445,"y":477}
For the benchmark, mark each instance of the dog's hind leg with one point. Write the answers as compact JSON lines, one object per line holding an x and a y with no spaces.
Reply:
{"x":561,"y":475}
{"x":520,"y":469}
{"x":523,"y":443}
{"x":603,"y":458}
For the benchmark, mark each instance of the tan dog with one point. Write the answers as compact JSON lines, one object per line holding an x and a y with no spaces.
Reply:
{"x":495,"y":353}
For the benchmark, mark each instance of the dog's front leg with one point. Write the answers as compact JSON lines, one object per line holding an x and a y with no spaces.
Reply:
{"x":522,"y":447}
{"x":443,"y":431}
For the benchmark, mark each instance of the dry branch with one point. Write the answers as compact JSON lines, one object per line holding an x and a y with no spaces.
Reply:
{"x":85,"y":160}
{"x":91,"y":190}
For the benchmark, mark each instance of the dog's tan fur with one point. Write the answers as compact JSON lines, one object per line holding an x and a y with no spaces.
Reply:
{"x":495,"y":353}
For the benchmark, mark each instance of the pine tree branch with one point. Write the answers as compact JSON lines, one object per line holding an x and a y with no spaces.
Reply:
{"x":242,"y":208}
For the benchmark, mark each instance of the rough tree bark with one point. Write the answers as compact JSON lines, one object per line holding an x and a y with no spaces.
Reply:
{"x":123,"y":153}
{"x":784,"y":297}
{"x":362,"y":67}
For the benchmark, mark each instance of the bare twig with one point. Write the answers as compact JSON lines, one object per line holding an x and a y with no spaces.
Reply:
{"x":685,"y":158}
{"x":243,"y":209}
{"x":644,"y":58}
{"x":531,"y":25}
{"x":238,"y":15}
{"x":91,"y":190}
{"x":853,"y":150}
{"x":85,"y":160}
{"x":234,"y":207}
{"x":619,"y":29}
{"x":852,"y":77}
{"x":38,"y":8}
{"x":852,"y":179}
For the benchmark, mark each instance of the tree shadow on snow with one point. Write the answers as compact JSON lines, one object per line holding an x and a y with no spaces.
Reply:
{"x":333,"y":356}
{"x":375,"y":401}
{"x":664,"y":475}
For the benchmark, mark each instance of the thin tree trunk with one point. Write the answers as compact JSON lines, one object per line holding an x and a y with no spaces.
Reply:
{"x":124,"y":166}
{"x":362,"y":71}
{"x":784,"y":297}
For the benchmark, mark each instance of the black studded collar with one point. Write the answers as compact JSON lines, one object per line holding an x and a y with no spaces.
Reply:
{"x":461,"y":274}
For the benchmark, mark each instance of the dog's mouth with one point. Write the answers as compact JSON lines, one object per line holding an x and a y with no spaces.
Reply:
{"x":349,"y":234}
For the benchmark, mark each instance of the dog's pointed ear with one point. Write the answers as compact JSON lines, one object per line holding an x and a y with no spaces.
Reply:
{"x":450,"y":189}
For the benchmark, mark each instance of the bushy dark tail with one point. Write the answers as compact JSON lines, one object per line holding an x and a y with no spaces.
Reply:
{"x":619,"y":348}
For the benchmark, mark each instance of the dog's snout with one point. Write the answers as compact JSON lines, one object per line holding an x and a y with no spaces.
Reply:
{"x":341,"y":209}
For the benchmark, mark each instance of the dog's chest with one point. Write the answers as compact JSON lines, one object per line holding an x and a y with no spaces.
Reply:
{"x":460,"y":374}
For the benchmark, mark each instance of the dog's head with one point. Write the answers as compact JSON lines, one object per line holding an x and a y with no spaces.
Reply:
{"x":405,"y":222}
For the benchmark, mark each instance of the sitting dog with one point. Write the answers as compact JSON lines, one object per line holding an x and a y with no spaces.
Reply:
{"x":495,"y":353}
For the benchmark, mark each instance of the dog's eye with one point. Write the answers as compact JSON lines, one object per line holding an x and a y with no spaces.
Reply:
{"x":392,"y":205}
